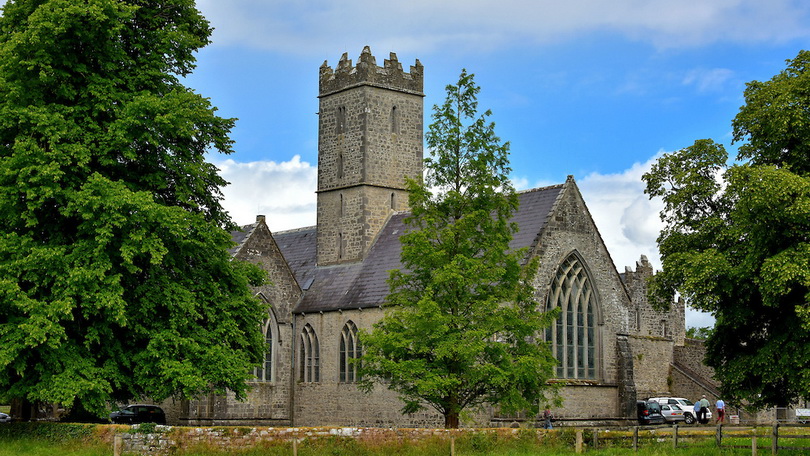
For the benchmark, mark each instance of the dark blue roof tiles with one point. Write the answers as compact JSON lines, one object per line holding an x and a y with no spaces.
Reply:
{"x":299,"y":248}
{"x":532,"y":214}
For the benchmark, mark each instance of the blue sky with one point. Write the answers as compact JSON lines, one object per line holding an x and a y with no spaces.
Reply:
{"x":595,"y":89}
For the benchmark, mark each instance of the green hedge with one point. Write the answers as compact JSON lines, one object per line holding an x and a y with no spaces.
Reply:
{"x":53,"y":432}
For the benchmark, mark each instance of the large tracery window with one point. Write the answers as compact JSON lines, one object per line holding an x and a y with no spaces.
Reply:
{"x":573,"y":336}
{"x":350,"y":349}
{"x":309,"y":362}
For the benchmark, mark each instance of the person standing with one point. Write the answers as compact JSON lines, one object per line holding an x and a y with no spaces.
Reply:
{"x":697,"y":411}
{"x":704,"y":407}
{"x":721,"y":410}
{"x":547,"y":416}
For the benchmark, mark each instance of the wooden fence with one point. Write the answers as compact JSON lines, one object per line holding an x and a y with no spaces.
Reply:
{"x":724,"y":436}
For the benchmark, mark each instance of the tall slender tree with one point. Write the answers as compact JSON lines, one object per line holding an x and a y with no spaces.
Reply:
{"x":461,"y":318}
{"x":115,"y":276}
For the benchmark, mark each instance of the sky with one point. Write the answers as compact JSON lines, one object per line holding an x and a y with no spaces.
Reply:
{"x":593,"y":89}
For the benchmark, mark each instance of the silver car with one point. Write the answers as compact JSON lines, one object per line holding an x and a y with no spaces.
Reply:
{"x":4,"y":418}
{"x":672,"y":413}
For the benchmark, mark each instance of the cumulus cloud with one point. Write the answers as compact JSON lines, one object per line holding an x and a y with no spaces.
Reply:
{"x":627,"y":220}
{"x":424,"y":25}
{"x":283,"y":192}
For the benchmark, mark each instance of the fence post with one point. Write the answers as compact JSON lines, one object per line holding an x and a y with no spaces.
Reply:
{"x":295,"y":446}
{"x":452,"y":445}
{"x":674,"y":436}
{"x":635,"y":438}
{"x":775,"y":439}
{"x":578,"y":447}
{"x":754,"y":443}
{"x":595,"y":438}
{"x":118,"y":440}
{"x":718,"y":436}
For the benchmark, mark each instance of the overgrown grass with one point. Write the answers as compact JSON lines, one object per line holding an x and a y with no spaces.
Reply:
{"x":50,"y":439}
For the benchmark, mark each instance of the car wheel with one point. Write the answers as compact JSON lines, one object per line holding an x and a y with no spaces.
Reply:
{"x":688,"y":418}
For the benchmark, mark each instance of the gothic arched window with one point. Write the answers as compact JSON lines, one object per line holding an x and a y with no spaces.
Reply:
{"x":350,"y":349}
{"x":266,"y":373}
{"x":309,"y":361}
{"x":573,"y":337}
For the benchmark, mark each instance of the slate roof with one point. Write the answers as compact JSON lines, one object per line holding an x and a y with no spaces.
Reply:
{"x":364,"y":284}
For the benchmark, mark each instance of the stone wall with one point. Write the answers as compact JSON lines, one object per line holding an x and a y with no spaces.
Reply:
{"x":165,"y":440}
{"x":331,"y":402}
{"x":652,"y":357}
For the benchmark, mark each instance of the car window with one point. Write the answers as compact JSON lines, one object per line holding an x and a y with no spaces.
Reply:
{"x":665,"y":407}
{"x":675,"y":407}
{"x":688,"y":402}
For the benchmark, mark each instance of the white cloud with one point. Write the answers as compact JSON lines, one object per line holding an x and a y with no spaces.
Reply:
{"x":424,"y":25}
{"x":709,"y":80}
{"x":283,"y":192}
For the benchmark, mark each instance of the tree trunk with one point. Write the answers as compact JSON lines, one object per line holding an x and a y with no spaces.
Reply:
{"x":451,"y":420}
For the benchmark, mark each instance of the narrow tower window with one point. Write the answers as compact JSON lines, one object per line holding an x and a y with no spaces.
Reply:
{"x":341,"y":120}
{"x":394,"y":120}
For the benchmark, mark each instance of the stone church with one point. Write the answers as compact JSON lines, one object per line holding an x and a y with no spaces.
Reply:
{"x":328,"y":281}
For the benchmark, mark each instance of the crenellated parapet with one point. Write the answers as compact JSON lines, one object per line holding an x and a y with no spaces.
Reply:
{"x":366,"y":72}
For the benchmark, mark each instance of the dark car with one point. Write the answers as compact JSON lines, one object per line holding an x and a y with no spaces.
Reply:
{"x":139,"y":413}
{"x":649,"y":412}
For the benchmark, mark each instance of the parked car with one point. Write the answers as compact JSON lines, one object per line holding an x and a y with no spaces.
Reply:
{"x":686,"y":405}
{"x":139,"y":413}
{"x":4,"y":418}
{"x":649,"y":412}
{"x":672,"y":413}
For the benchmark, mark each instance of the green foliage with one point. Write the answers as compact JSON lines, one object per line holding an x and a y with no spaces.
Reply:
{"x":115,"y":279}
{"x":52,"y":432}
{"x":694,"y":332}
{"x":461,"y":318}
{"x":736,"y":241}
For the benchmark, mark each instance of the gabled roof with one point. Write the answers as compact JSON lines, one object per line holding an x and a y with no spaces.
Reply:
{"x":364,"y":284}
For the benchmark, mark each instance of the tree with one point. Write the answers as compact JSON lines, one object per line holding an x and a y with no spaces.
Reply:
{"x":736,"y":240}
{"x":115,"y":277}
{"x":461,"y":318}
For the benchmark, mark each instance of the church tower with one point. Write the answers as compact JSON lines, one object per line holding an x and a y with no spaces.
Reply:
{"x":369,"y":140}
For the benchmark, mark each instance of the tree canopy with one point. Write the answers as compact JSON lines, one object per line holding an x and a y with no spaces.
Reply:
{"x":737,"y":240}
{"x":461,"y":319}
{"x":115,"y":277}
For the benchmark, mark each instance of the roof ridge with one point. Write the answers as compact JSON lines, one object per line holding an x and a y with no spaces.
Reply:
{"x":296,"y":230}
{"x":537,"y":189}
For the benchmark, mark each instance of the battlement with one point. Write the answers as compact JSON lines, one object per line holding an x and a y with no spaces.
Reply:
{"x":389,"y":76}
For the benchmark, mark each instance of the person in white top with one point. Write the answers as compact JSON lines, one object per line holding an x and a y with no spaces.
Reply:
{"x":721,"y":410}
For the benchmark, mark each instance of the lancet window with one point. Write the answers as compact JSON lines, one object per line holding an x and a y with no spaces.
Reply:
{"x":350,"y":349}
{"x":309,"y":360}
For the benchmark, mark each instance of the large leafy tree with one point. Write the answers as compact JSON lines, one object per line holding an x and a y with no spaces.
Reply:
{"x":737,"y":240}
{"x":461,"y":318}
{"x":115,"y":280}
